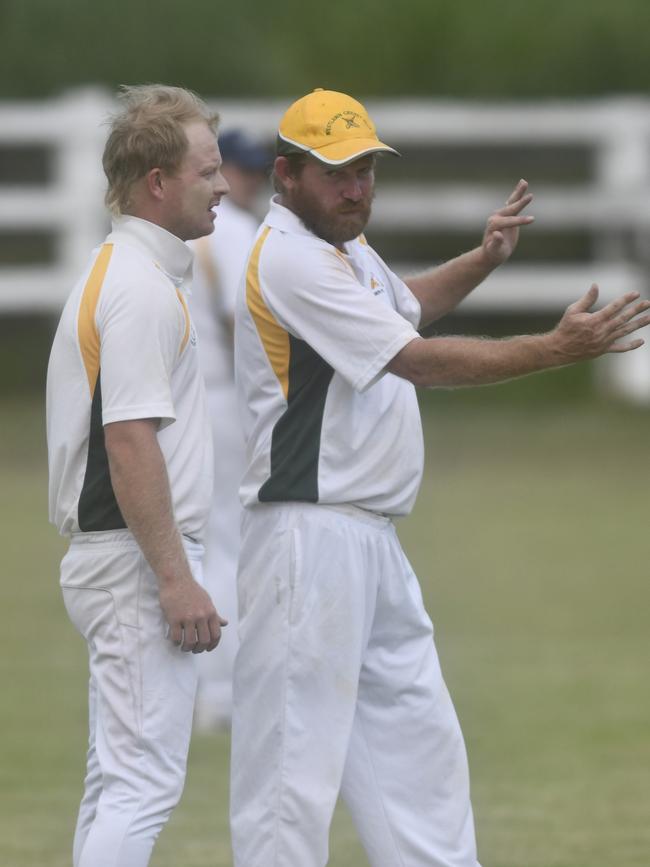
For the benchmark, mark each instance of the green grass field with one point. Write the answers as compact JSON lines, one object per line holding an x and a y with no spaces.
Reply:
{"x":531,"y":542}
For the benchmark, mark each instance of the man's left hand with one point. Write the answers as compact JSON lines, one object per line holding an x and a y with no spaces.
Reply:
{"x":502,"y":231}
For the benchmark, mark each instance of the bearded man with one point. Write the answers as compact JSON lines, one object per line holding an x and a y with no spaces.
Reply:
{"x":337,"y":683}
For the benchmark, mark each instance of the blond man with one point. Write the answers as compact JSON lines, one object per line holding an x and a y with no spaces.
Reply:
{"x":130,"y":471}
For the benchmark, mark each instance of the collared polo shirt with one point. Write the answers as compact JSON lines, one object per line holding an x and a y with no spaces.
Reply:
{"x":315,"y":329}
{"x":125,"y":349}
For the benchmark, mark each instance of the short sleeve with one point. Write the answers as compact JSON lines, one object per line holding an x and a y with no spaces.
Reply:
{"x":407,"y":304}
{"x":316,"y":297}
{"x":140,"y":333}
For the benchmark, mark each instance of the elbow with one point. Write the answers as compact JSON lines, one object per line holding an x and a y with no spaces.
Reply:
{"x":418,"y":377}
{"x":410,"y":363}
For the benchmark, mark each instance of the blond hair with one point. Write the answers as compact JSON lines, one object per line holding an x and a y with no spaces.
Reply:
{"x":148,"y":133}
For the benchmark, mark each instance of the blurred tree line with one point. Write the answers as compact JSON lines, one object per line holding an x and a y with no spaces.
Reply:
{"x":475,"y":48}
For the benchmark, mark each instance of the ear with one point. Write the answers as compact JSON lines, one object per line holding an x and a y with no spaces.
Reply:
{"x":154,"y":181}
{"x":282,"y":169}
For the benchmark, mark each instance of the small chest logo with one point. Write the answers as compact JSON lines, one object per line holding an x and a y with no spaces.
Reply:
{"x":376,"y":285}
{"x":193,"y":338}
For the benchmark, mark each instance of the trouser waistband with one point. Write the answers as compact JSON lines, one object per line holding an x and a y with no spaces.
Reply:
{"x":125,"y":539}
{"x":375,"y":519}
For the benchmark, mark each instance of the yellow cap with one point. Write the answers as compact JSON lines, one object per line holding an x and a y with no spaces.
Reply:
{"x":330,"y":126}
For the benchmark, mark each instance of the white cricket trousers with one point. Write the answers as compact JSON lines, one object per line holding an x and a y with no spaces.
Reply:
{"x":338,"y":688}
{"x":141,"y":699}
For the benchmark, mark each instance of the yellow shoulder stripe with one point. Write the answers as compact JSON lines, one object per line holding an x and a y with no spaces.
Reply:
{"x":275,"y":339}
{"x":343,"y":259}
{"x":86,"y":328}
{"x":186,"y":335}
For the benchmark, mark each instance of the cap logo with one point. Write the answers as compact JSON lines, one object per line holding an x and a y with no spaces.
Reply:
{"x":349,"y":118}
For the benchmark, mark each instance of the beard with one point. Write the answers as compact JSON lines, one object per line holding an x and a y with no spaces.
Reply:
{"x":337,"y":226}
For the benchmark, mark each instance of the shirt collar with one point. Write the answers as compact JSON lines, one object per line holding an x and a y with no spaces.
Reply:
{"x":172,"y":255}
{"x":285,"y":220}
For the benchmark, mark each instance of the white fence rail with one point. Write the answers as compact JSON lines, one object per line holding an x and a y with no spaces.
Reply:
{"x":615,"y":201}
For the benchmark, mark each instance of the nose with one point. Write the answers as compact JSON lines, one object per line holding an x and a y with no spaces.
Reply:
{"x":221,"y":186}
{"x":353,"y":191}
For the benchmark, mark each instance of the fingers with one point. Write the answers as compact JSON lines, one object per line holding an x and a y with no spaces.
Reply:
{"x":502,"y":230}
{"x":515,"y":208}
{"x":176,"y":633}
{"x":640,"y":307}
{"x":517,"y":200}
{"x":590,"y":334}
{"x":203,"y":636}
{"x":626,"y":347}
{"x":209,"y":633}
{"x":190,"y":640}
{"x":615,"y":307}
{"x":215,"y":625}
{"x":497,"y":222}
{"x":197,"y":636}
{"x":518,"y":192}
{"x":622,"y":317}
{"x":618,"y":312}
{"x":626,"y":325}
{"x":194,"y":624}
{"x":582,"y":305}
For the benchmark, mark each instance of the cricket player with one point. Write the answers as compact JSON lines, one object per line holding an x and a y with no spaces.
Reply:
{"x":220,"y":259}
{"x":131,"y":471}
{"x":337,"y":683}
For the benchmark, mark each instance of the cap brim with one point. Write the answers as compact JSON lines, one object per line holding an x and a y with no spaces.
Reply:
{"x":337,"y":153}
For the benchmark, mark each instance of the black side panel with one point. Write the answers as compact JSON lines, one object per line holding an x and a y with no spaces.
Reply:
{"x":295,"y":442}
{"x":98,"y":509}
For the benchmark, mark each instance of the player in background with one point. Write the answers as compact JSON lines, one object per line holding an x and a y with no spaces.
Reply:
{"x":337,"y":683}
{"x":130,"y":464}
{"x":218,"y":267}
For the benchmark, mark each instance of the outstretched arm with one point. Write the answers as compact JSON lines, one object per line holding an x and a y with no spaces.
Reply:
{"x":580,"y":335}
{"x":141,"y":485}
{"x":439,"y":290}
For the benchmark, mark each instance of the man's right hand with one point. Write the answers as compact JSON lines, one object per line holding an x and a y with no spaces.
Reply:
{"x":194,"y":623}
{"x":582,"y":333}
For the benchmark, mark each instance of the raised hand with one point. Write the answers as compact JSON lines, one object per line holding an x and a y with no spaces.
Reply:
{"x":502,"y":230}
{"x":583,"y":333}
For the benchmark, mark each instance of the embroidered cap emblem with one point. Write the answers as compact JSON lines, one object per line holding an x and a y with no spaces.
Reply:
{"x":351,"y":119}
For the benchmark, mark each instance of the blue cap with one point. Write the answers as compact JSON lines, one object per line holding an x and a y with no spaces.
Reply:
{"x":238,"y":148}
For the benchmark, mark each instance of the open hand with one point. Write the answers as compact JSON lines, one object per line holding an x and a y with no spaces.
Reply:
{"x":583,"y":334}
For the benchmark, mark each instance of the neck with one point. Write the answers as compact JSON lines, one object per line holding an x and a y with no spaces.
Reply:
{"x":152,"y":215}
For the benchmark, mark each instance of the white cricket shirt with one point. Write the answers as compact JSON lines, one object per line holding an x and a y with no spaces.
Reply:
{"x":315,"y":328}
{"x":125,"y":349}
